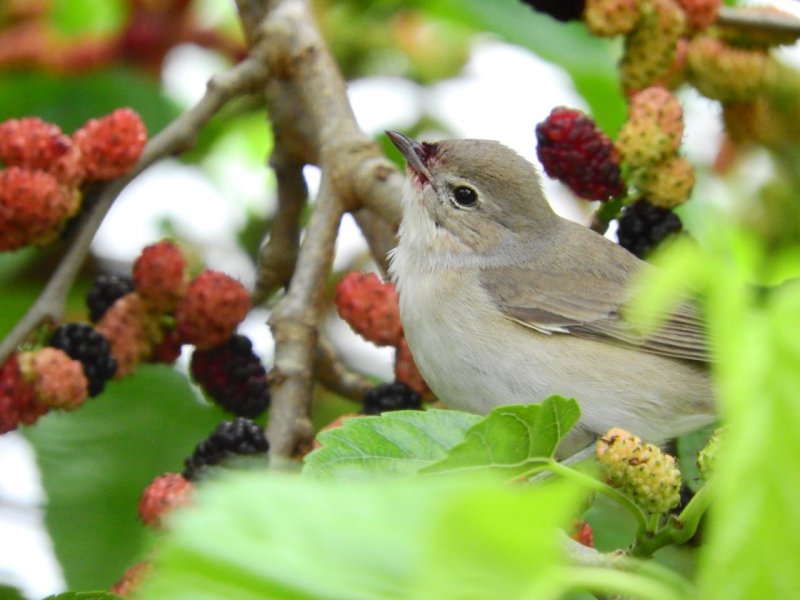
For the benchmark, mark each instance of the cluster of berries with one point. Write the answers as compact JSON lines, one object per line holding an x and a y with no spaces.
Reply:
{"x":44,"y":169}
{"x":74,"y":365}
{"x":371,"y":308}
{"x":575,"y":151}
{"x":148,"y":316}
{"x":642,"y":471}
{"x":669,"y":42}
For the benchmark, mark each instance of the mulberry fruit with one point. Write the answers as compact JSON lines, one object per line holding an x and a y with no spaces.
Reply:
{"x":406,"y":371}
{"x":654,"y":128}
{"x":643,"y":226}
{"x":725,"y":73}
{"x":233,"y":376}
{"x":33,"y":207}
{"x":573,"y":150}
{"x":106,"y":289}
{"x":165,"y":493}
{"x":650,"y":47}
{"x":231,"y":439}
{"x":111,"y":145}
{"x":58,"y":380}
{"x":612,"y":17}
{"x":159,"y":274}
{"x":211,"y":309}
{"x":83,"y":343}
{"x":35,"y":145}
{"x":370,"y":307}
{"x":390,"y":396}
{"x":700,"y":13}
{"x":18,"y":402}
{"x":668,"y":184}
{"x":131,"y":330}
{"x":640,"y":470}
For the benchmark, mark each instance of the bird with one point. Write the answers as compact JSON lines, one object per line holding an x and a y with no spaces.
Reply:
{"x":502,"y":301}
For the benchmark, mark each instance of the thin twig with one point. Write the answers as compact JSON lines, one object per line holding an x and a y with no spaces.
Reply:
{"x":294,"y":323}
{"x":178,"y":136}
{"x":745,"y":19}
{"x":277,"y":257}
{"x":335,"y":376}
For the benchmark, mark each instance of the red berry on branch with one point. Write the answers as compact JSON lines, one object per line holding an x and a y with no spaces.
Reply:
{"x":573,"y":150}
{"x":33,"y":207}
{"x":35,"y":145}
{"x":162,"y":496}
{"x":159,"y":275}
{"x":58,"y":380}
{"x":18,"y":402}
{"x":111,"y":145}
{"x":214,"y":304}
{"x":370,"y":307}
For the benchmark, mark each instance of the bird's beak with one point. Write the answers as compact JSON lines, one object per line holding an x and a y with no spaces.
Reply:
{"x":414,"y":153}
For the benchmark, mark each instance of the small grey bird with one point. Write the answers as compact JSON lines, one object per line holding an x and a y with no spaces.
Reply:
{"x":504,"y":302}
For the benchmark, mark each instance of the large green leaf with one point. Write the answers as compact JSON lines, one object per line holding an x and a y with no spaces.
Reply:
{"x":590,"y":61}
{"x":96,"y":462}
{"x":397,"y":443}
{"x":512,"y":439}
{"x":287,"y":537}
{"x":751,"y":551}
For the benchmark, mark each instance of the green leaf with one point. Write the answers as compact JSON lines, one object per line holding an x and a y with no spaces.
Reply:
{"x":397,"y":443}
{"x":101,"y":595}
{"x":511,"y":439}
{"x":751,"y":549}
{"x":287,"y":537}
{"x":96,"y":462}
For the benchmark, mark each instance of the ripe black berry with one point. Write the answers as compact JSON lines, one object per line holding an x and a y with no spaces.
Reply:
{"x":106,"y":289}
{"x":233,"y":376}
{"x":81,"y":342}
{"x":643,"y":226}
{"x":240,"y":437}
{"x":390,"y":396}
{"x":562,"y":10}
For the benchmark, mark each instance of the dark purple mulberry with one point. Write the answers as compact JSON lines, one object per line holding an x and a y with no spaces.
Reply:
{"x":233,"y":376}
{"x":573,"y":150}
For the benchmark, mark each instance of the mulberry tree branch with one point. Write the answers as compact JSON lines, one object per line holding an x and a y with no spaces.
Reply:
{"x":176,"y":137}
{"x":314,"y":124}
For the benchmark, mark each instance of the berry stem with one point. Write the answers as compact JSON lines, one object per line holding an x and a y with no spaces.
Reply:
{"x":605,"y":213}
{"x":677,"y":530}
{"x":596,"y":485}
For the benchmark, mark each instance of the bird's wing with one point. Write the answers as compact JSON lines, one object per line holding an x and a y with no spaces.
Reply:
{"x":589,"y":301}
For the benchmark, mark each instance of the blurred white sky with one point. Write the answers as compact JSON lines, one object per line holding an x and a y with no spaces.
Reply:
{"x":501,"y":94}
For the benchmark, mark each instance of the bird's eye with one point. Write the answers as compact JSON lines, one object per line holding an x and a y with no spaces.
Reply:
{"x":465,"y":196}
